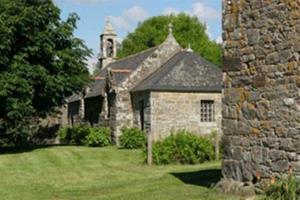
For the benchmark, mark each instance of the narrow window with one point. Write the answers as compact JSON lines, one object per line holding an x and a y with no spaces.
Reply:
{"x":111,"y":97}
{"x":142,"y":114}
{"x":207,"y":111}
{"x":110,"y":48}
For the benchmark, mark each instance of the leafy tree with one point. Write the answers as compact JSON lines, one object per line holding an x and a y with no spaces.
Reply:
{"x":186,"y":29}
{"x":41,"y":62}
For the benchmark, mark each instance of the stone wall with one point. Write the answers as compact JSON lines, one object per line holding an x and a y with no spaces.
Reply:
{"x":137,"y":99}
{"x":181,"y":110}
{"x":123,"y":114}
{"x":261,"y":105}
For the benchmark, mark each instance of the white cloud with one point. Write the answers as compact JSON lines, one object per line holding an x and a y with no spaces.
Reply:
{"x":205,"y":13}
{"x":170,"y":11}
{"x":128,"y":18}
{"x":120,"y":22}
{"x":219,"y":40}
{"x":202,"y":12}
{"x":136,"y":13}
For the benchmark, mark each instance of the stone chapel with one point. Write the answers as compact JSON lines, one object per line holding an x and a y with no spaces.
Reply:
{"x":160,"y":89}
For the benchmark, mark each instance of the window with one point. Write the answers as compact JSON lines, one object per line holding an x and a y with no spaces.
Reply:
{"x":207,"y":111}
{"x":110,"y":48}
{"x":142,"y":114}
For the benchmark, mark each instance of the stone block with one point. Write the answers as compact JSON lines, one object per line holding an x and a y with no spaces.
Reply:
{"x":232,"y":64}
{"x":253,"y":36}
{"x":287,"y":145}
{"x":272,"y":58}
{"x":259,"y":81}
{"x":257,"y":156}
{"x":276,"y":155}
{"x":280,"y":166}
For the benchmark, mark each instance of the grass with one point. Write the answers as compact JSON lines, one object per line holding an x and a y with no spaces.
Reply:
{"x":67,"y":173}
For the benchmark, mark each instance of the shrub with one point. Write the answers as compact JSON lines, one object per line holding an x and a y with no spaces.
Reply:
{"x":74,"y":135}
{"x":100,"y":136}
{"x":182,"y":147}
{"x":65,"y":135}
{"x":79,"y":134}
{"x":132,"y":138}
{"x":285,"y":188}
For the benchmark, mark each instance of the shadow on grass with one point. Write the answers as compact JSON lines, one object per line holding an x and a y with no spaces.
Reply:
{"x":205,"y":178}
{"x":16,"y":150}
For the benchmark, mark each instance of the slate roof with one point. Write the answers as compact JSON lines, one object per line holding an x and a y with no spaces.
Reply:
{"x":185,"y":71}
{"x":129,"y":63}
{"x":120,"y":69}
{"x":96,"y":88}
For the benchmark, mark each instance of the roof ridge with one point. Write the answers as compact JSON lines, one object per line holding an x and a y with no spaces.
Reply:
{"x":135,"y":54}
{"x":160,"y":68}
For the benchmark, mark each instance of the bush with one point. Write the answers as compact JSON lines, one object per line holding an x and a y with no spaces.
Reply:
{"x":285,"y":188}
{"x":85,"y":135}
{"x":79,"y":134}
{"x":132,"y":138}
{"x":65,"y":135}
{"x":182,"y":147}
{"x":99,"y":137}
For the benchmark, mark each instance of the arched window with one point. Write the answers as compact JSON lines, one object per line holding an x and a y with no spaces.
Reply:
{"x":109,"y":48}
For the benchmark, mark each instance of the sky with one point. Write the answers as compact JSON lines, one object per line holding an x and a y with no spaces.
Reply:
{"x":126,"y":14}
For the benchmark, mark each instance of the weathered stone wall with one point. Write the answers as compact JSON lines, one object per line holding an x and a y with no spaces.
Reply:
{"x":123,"y":106}
{"x":181,"y":110}
{"x":261,"y":105}
{"x":137,"y":98}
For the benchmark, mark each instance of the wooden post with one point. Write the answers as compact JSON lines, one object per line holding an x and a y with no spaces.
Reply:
{"x":217,"y":146}
{"x":149,"y":149}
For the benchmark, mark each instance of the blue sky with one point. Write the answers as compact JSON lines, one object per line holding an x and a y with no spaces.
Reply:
{"x":125,"y":15}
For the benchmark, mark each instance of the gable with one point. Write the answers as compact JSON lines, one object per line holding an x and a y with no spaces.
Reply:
{"x":185,"y":71}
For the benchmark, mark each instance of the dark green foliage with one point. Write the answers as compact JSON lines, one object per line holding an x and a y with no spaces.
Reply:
{"x":99,"y":137}
{"x":85,"y":135}
{"x":132,"y":138}
{"x":41,"y":63}
{"x":285,"y":188}
{"x":186,"y":29}
{"x":182,"y":147}
{"x":79,"y":134}
{"x":74,"y":135}
{"x":65,"y":135}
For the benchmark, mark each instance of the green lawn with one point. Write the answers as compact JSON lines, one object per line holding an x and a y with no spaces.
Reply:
{"x":66,"y":172}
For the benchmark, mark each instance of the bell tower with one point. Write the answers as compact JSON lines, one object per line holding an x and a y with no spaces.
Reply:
{"x":108,"y":45}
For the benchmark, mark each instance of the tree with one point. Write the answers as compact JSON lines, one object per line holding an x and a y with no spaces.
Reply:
{"x":41,"y":63}
{"x":186,"y":29}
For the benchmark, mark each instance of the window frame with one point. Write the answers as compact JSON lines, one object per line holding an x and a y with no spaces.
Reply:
{"x":207,"y":111}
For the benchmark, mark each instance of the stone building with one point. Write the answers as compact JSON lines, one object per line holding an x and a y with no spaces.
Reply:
{"x":261,"y":105}
{"x":161,"y":89}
